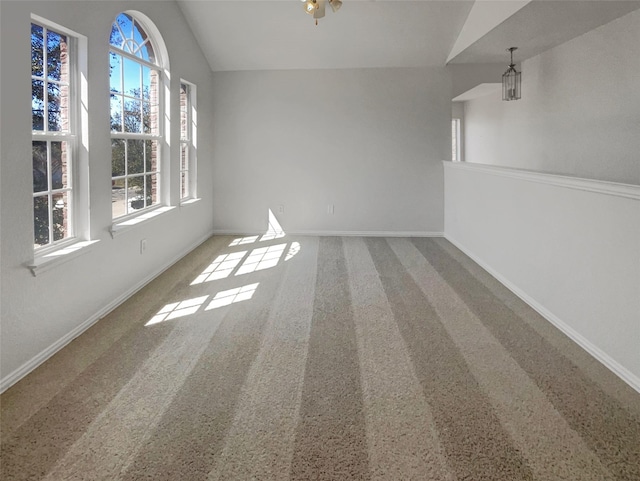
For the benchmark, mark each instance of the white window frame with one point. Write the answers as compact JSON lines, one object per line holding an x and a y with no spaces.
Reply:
{"x":160,"y":172}
{"x":76,"y":139}
{"x":188,"y":143}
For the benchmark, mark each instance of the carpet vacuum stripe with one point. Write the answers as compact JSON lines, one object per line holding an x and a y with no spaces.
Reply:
{"x":78,"y":356}
{"x":321,"y":358}
{"x":260,"y":441}
{"x":476,"y":444}
{"x":588,"y":365}
{"x":331,"y":439}
{"x":402,"y":440}
{"x":605,"y":426}
{"x":33,"y":449}
{"x":191,"y":433}
{"x":552,"y":449}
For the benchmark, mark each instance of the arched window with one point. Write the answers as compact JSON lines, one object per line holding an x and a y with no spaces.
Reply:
{"x":136,"y":115}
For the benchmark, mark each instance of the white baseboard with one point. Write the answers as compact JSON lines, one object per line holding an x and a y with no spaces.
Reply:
{"x":339,"y":233}
{"x":27,"y":367}
{"x":614,"y":366}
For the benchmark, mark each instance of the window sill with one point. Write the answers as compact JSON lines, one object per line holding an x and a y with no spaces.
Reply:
{"x":126,"y":224}
{"x":186,"y":202}
{"x":57,"y":257}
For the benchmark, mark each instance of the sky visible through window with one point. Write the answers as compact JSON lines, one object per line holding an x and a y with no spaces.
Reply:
{"x":127,"y":76}
{"x":135,"y":117}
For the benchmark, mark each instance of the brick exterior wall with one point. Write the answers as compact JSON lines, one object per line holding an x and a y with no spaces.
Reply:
{"x":155,"y":126}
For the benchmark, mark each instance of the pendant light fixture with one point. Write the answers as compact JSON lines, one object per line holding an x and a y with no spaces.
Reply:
{"x":316,"y":7}
{"x":511,"y":80}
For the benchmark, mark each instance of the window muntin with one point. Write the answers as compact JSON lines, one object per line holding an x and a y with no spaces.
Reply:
{"x":187,"y":144}
{"x":128,"y":35}
{"x":53,"y":93}
{"x":135,"y":118}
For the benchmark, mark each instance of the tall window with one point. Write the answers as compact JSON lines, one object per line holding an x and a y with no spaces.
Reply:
{"x":135,"y":117}
{"x":53,"y":134}
{"x":455,"y":140}
{"x":187,"y":141}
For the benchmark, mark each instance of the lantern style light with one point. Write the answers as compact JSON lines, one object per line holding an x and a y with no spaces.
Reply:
{"x":511,"y":80}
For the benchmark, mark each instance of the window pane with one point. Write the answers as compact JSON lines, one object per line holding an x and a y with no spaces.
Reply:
{"x":58,"y":104}
{"x":116,"y":113}
{"x":133,"y":116}
{"x":54,"y":99}
{"x":184,"y":157}
{"x":154,"y":82}
{"x":146,"y":83}
{"x":141,"y":39}
{"x":455,"y":138}
{"x":41,"y":220}
{"x":132,"y":76}
{"x":37,"y":104}
{"x":64,"y":107}
{"x":59,"y":163}
{"x":454,"y":154}
{"x":57,"y":66}
{"x":151,"y":189}
{"x":151,"y":155}
{"x":135,"y":156}
{"x":60,"y":216}
{"x":115,"y":38}
{"x":154,"y":118}
{"x":115,"y":66}
{"x":126,"y":24}
{"x":40,"y":176}
{"x":146,"y":52}
{"x":139,"y":34}
{"x":184,"y":105}
{"x":135,"y":193}
{"x":184,"y":191}
{"x":146,"y":117}
{"x":118,"y":200}
{"x":117,"y":157}
{"x":37,"y":57}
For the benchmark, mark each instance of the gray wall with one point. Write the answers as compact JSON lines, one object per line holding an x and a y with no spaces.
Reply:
{"x":569,"y":247}
{"x":38,"y":313}
{"x":370,"y":142}
{"x":579,"y":113}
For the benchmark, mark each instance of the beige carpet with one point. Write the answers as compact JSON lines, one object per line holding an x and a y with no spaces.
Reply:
{"x":310,"y":358}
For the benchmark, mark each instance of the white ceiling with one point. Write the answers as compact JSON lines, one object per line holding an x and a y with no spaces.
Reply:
{"x":541,"y":25}
{"x":277,"y":34}
{"x":268,"y":35}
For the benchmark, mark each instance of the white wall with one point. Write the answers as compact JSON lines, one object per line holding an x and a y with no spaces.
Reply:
{"x":457,"y":110}
{"x":579,"y":113}
{"x":368,"y":141}
{"x":570,"y":248}
{"x":39,"y":313}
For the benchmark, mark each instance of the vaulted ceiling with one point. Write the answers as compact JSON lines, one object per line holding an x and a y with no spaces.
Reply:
{"x":277,"y":34}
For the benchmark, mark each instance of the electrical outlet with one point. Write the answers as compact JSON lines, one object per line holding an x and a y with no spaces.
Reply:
{"x":281,"y":209}
{"x":143,"y":246}
{"x":330,"y":209}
